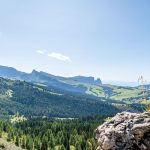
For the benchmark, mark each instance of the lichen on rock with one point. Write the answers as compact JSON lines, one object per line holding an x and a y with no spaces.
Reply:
{"x":125,"y":131}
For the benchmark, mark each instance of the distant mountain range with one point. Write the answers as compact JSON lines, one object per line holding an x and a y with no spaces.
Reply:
{"x":73,"y":84}
{"x":78,"y":84}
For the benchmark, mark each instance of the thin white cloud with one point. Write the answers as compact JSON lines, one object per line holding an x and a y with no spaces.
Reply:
{"x":40,"y":51}
{"x":60,"y":57}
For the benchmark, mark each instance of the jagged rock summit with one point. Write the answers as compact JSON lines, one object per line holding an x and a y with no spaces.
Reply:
{"x":125,"y":131}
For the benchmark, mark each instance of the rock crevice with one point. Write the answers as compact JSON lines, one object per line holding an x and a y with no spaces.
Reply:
{"x":125,"y":131}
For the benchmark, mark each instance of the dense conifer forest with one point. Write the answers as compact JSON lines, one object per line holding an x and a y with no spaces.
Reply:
{"x":52,"y":133}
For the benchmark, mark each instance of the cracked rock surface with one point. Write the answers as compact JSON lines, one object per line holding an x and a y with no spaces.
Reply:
{"x":125,"y":131}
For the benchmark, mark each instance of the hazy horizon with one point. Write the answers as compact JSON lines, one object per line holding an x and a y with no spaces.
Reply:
{"x":113,"y":82}
{"x":105,"y":39}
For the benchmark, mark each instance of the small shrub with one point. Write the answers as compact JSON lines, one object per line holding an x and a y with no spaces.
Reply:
{"x":2,"y":145}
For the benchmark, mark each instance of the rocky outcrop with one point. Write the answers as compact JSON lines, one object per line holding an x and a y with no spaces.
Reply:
{"x":90,"y":80}
{"x":125,"y":131}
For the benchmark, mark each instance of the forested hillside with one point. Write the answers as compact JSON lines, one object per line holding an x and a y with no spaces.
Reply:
{"x":52,"y":134}
{"x":34,"y":100}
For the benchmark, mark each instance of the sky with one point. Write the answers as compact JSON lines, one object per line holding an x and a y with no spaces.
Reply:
{"x":109,"y":39}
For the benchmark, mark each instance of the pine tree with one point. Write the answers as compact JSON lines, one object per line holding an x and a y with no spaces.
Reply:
{"x":44,"y":143}
{"x":17,"y":140}
{"x":23,"y":144}
{"x":29,"y":143}
{"x":78,"y":146}
{"x":9,"y":137}
{"x":63,"y":147}
{"x":88,"y":146}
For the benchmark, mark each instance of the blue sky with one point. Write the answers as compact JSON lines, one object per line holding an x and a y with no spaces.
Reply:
{"x":103,"y":38}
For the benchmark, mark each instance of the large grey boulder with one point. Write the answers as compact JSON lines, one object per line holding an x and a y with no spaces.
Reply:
{"x":125,"y":131}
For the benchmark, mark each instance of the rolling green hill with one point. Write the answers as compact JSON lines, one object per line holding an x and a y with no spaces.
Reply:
{"x":34,"y":100}
{"x":121,"y":93}
{"x":116,"y":92}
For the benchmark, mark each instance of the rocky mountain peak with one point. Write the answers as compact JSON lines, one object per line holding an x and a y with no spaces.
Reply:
{"x":34,"y":71}
{"x":90,"y":80}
